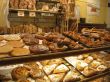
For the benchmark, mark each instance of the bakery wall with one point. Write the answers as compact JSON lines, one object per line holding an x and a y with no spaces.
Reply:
{"x":100,"y":19}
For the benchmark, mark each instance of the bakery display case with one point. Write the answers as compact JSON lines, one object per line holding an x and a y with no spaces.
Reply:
{"x":40,"y":46}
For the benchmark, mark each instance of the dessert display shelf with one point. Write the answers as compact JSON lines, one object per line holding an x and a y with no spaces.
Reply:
{"x":39,"y":57}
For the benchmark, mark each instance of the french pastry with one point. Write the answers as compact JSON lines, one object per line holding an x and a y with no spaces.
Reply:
{"x":89,"y":59}
{"x":20,"y":73}
{"x":61,"y":69}
{"x":49,"y":68}
{"x":5,"y":49}
{"x":80,"y":65}
{"x":71,"y":77}
{"x":1,"y":38}
{"x":12,"y":37}
{"x":56,"y":77}
{"x":20,"y":52}
{"x":39,"y":49}
{"x":41,"y":80}
{"x":36,"y":73}
{"x":23,"y":80}
{"x":16,"y":44}
{"x":95,"y":64}
{"x":89,"y":71}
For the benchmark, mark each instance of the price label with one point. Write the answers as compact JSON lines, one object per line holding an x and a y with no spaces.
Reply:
{"x":32,"y":14}
{"x":40,"y":41}
{"x":21,"y":13}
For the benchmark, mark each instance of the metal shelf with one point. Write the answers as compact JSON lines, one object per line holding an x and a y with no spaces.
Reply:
{"x":39,"y":57}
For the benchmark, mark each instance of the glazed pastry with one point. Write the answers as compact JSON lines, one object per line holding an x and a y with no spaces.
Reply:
{"x":20,"y":52}
{"x":89,"y":59}
{"x":61,"y":69}
{"x":49,"y":68}
{"x":36,"y":73}
{"x":23,"y":80}
{"x":20,"y":73}
{"x":56,"y":77}
{"x":81,"y":65}
{"x":16,"y":44}
{"x":95,"y":64}
{"x":89,"y":71}
{"x":71,"y":77}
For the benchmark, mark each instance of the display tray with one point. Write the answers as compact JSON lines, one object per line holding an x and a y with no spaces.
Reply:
{"x":105,"y":44}
{"x":38,"y":57}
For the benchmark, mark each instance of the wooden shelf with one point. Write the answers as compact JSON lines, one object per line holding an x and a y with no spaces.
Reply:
{"x":37,"y":11}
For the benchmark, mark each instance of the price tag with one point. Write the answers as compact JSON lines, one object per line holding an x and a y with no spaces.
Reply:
{"x":32,"y":14}
{"x":40,"y":30}
{"x":21,"y":13}
{"x":40,"y":41}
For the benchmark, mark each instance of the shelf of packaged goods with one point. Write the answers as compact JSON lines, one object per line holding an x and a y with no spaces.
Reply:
{"x":39,"y":57}
{"x":48,"y":1}
{"x":37,"y":11}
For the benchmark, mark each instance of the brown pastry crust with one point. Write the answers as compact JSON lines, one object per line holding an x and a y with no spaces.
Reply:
{"x":20,"y":52}
{"x":20,"y":73}
{"x":31,"y":65}
{"x":16,"y":44}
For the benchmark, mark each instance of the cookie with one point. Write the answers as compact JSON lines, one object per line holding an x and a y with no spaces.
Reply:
{"x":20,"y":52}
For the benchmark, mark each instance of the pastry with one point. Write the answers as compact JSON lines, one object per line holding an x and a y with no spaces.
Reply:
{"x":101,"y":68}
{"x":1,"y":38}
{"x":36,"y":73}
{"x":20,"y":73}
{"x":80,"y":57}
{"x":89,"y":71}
{"x":56,"y":77}
{"x":23,"y":80}
{"x":45,"y":62}
{"x":5,"y":49}
{"x":56,"y":61}
{"x":49,"y":68}
{"x":89,"y":59}
{"x":31,"y":65}
{"x":81,"y":65}
{"x":20,"y":52}
{"x":39,"y":49}
{"x":95,"y":64}
{"x":61,"y":69}
{"x":71,"y":77}
{"x":41,"y":80}
{"x":16,"y":44}
{"x":12,"y":37}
